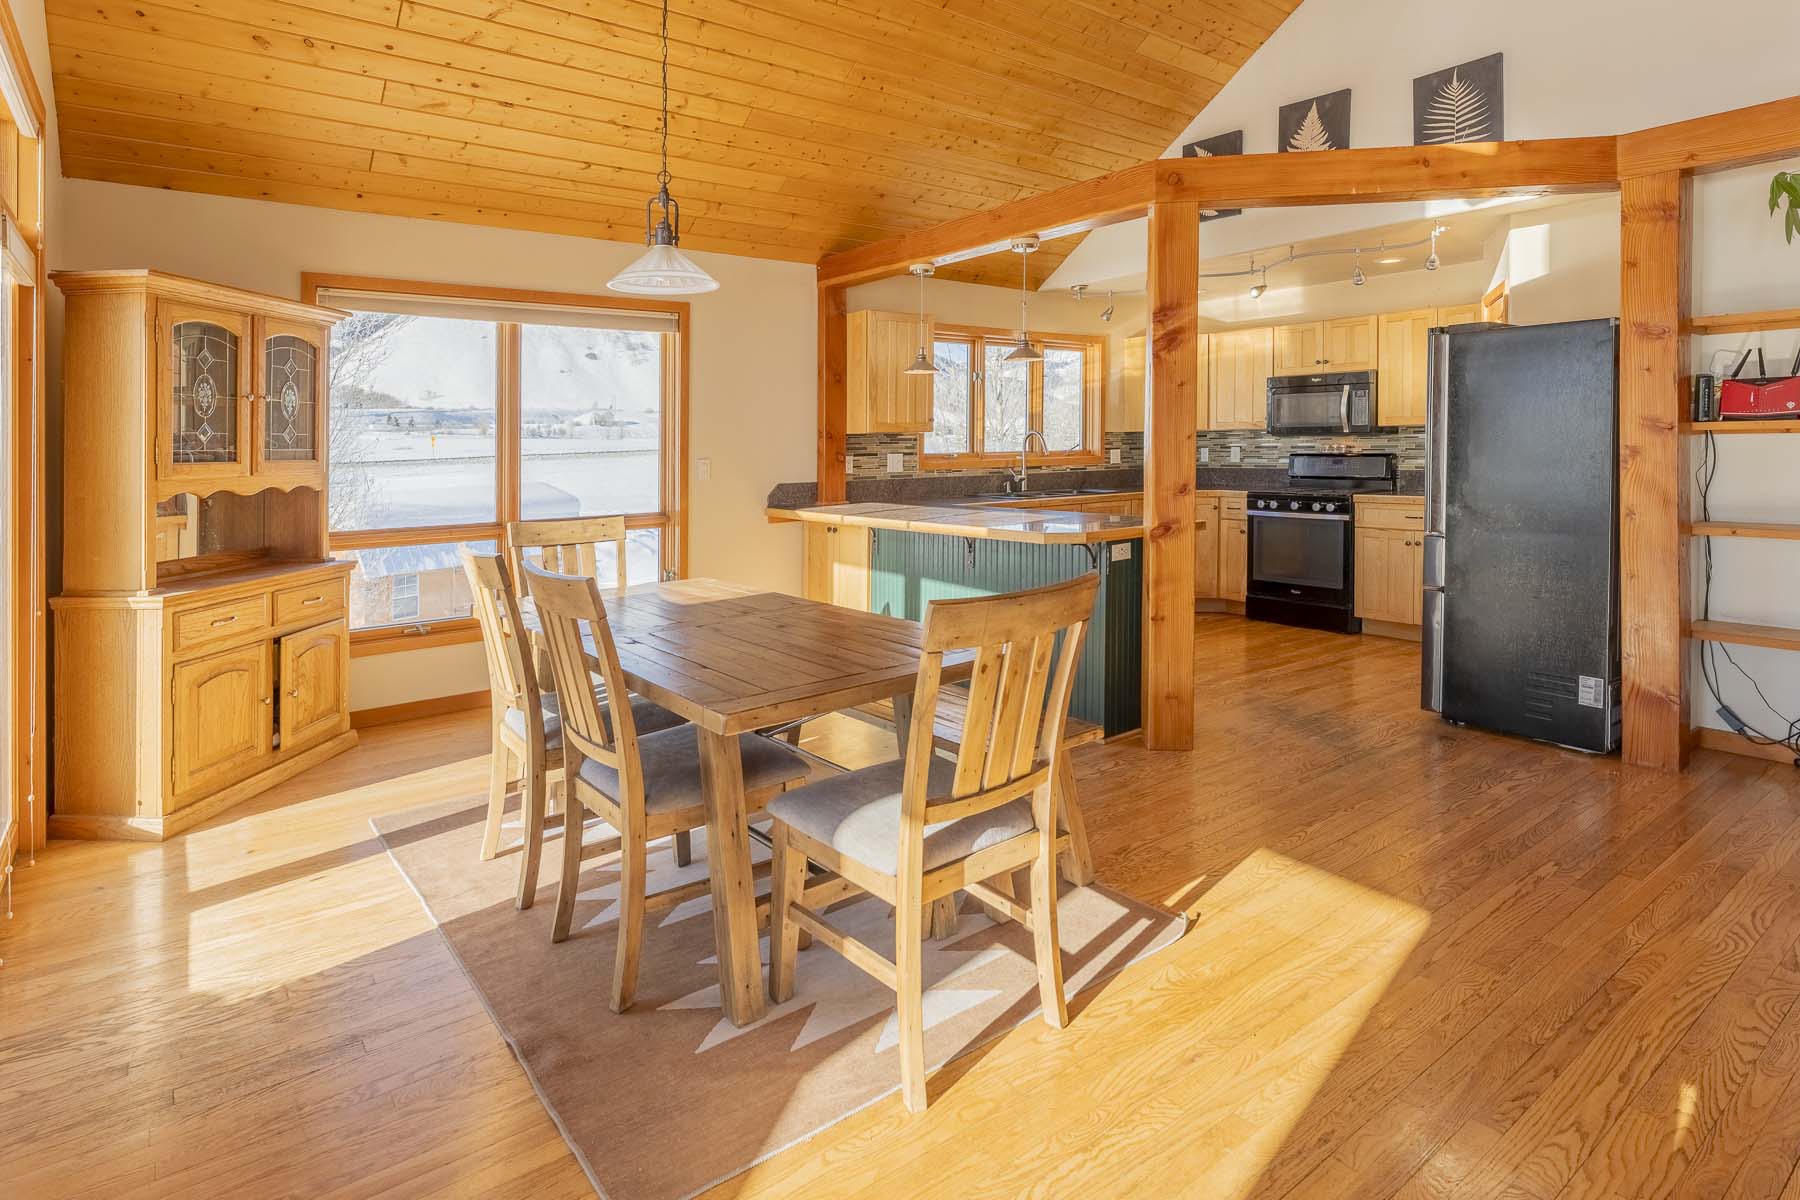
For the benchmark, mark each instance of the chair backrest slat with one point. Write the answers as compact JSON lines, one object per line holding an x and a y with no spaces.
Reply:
{"x":1026,"y":646}
{"x":566,"y":605}
{"x":512,"y":681}
{"x":569,"y":545}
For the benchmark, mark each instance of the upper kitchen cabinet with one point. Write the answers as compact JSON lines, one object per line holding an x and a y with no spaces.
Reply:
{"x":1126,"y":412}
{"x":1241,"y":362}
{"x":1405,"y":355}
{"x":882,"y":398}
{"x":1315,"y":347}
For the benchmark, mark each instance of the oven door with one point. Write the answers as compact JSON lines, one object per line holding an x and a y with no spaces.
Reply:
{"x":1304,"y":557}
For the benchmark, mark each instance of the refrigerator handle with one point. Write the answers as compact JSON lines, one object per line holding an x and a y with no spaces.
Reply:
{"x":1431,"y":652}
{"x":1437,"y":414}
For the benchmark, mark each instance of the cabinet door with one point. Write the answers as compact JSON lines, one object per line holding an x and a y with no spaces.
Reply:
{"x":1234,"y":545}
{"x":288,"y":398}
{"x":882,"y":397}
{"x":837,"y":565}
{"x":1459,"y":314}
{"x":202,"y":391}
{"x":1405,"y":347}
{"x":1126,"y":413}
{"x":1203,"y":400}
{"x":1350,"y":344}
{"x":1206,"y":548}
{"x":221,"y":718}
{"x":315,"y":684}
{"x":1240,"y":378}
{"x":1299,"y":349}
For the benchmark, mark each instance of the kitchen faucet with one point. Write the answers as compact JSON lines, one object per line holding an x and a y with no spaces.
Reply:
{"x":1022,"y":476}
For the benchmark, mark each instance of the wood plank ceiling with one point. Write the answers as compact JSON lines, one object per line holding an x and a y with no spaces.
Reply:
{"x":801,"y":127}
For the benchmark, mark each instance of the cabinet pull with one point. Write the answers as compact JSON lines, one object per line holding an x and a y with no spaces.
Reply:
{"x":224,"y":620}
{"x":313,"y":600}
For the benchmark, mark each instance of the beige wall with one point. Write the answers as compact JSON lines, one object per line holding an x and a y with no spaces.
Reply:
{"x":752,"y":414}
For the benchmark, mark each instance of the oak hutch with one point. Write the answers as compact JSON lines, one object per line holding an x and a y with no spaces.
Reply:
{"x":202,"y":641}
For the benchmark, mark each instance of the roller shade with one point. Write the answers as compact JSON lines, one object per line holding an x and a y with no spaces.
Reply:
{"x":632,"y":320}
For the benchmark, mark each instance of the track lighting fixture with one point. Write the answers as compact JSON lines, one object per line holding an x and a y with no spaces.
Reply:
{"x":1357,"y":278}
{"x":1106,"y":314}
{"x":1432,"y":263}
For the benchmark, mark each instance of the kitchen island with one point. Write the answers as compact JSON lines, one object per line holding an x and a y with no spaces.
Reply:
{"x":896,"y":558}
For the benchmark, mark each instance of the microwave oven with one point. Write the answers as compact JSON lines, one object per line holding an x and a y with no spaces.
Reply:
{"x":1324,"y":404}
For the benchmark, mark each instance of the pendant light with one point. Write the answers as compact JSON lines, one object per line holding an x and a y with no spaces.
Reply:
{"x":1431,"y":263}
{"x":1024,"y":352}
{"x":1357,"y":278}
{"x":663,"y":270}
{"x":922,"y":363}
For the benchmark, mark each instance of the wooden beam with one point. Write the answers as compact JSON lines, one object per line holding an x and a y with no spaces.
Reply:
{"x":1170,"y":418}
{"x":1077,"y":208}
{"x":1762,"y":133}
{"x":1392,"y":173}
{"x":1655,"y":252}
{"x":834,"y":403}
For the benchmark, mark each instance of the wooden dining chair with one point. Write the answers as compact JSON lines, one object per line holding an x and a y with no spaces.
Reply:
{"x":645,"y":785}
{"x":527,"y":723}
{"x":914,"y":831}
{"x":569,"y":545}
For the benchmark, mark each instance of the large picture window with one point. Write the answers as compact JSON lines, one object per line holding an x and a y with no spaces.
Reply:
{"x":455,"y":410}
{"x":983,"y":406}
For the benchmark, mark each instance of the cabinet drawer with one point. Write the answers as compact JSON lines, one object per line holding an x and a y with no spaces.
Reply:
{"x":1391,"y":516}
{"x":221,"y":622}
{"x":1231,"y":506}
{"x":315,"y":602}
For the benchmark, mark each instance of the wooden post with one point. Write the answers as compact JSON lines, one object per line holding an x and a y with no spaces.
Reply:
{"x":834,"y":411}
{"x":1170,"y":415}
{"x":1654,"y":595}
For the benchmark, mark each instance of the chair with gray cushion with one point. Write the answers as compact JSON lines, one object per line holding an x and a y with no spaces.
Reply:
{"x":527,"y":723}
{"x":645,"y":785}
{"x":915,"y":831}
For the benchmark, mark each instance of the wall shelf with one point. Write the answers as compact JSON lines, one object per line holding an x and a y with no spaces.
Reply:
{"x":1751,"y":322}
{"x":1750,"y":426}
{"x":1745,"y":529}
{"x":1774,"y":637}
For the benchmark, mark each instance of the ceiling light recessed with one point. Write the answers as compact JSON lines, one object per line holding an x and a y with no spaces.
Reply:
{"x":1388,"y":262}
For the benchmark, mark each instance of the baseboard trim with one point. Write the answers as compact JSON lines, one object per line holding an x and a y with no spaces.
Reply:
{"x":1391,"y":629}
{"x":1735,"y":743}
{"x":412,"y":710}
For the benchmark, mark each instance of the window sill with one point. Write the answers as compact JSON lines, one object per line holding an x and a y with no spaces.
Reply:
{"x":975,"y":462}
{"x":397,"y":639}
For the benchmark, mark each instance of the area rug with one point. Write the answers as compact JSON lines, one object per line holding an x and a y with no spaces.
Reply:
{"x":665,"y":1100}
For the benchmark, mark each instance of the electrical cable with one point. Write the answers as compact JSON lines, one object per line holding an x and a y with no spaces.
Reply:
{"x":1710,"y":651}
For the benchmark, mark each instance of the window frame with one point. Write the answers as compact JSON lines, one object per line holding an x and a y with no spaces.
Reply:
{"x":672,"y":519}
{"x":1093,"y":400}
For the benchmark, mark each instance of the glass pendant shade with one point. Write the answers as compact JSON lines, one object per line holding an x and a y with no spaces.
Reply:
{"x":663,"y":271}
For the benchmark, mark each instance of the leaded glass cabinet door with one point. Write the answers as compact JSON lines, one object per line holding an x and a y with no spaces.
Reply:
{"x":203,"y":391}
{"x":288,"y":399}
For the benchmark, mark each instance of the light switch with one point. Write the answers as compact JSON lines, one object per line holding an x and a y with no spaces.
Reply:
{"x":703,"y":468}
{"x":896,"y":463}
{"x":1237,"y":454}
{"x":1206,"y":454}
{"x":1116,"y":457}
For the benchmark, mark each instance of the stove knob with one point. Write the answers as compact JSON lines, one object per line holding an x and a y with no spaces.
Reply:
{"x":1293,"y":506}
{"x":1318,"y":508}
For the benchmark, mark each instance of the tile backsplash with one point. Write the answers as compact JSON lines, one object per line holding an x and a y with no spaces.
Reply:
{"x":866,"y":455}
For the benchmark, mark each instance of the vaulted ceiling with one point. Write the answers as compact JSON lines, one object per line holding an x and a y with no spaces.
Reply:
{"x":800,"y":127}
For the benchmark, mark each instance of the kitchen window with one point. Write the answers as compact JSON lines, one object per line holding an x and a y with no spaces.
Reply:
{"x":456,"y":410}
{"x":983,"y":406}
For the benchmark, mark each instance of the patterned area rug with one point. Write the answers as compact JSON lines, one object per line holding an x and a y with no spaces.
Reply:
{"x":669,"y":1098}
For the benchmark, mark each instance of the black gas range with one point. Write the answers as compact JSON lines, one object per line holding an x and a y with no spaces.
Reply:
{"x":1302,"y":562}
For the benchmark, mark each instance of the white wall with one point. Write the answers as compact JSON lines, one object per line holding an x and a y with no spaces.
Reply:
{"x":1572,"y":69}
{"x":1742,"y":264}
{"x":753,"y":353}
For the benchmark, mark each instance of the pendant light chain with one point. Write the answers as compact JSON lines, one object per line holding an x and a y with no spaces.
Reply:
{"x":663,"y":177}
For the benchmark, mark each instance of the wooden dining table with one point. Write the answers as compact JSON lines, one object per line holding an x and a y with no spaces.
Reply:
{"x":732,"y":660}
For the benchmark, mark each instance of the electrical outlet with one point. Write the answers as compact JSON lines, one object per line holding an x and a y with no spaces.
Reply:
{"x":1237,"y":454}
{"x":1206,"y":454}
{"x":896,"y":463}
{"x":703,"y":468}
{"x":1116,"y":457}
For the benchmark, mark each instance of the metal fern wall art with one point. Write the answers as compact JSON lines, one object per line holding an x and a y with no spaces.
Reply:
{"x":1321,"y":123}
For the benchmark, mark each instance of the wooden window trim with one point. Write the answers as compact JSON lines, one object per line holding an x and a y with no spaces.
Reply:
{"x":671,"y":519}
{"x":1093,"y":407}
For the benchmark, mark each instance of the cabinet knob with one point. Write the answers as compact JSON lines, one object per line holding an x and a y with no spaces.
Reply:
{"x":269,"y":700}
{"x":294,"y":695}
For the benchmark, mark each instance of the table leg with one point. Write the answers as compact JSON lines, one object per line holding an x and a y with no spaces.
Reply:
{"x":728,"y":867}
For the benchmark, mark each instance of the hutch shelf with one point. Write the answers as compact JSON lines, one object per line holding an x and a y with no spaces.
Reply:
{"x":202,"y":643}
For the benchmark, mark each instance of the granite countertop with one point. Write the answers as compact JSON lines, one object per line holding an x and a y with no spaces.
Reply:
{"x":1034,"y":525}
{"x":945,"y":488}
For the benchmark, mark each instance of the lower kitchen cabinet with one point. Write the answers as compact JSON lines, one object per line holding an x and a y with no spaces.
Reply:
{"x":1206,"y":548}
{"x":1234,"y":557}
{"x":1390,"y":560}
{"x":1221,"y":541}
{"x":837,"y":565}
{"x":315,"y":677}
{"x":219,"y":720}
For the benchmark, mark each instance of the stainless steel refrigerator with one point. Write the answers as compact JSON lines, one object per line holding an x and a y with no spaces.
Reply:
{"x":1521,"y":606}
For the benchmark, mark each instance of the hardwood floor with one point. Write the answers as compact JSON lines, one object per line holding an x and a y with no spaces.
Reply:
{"x":1427,"y":962}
